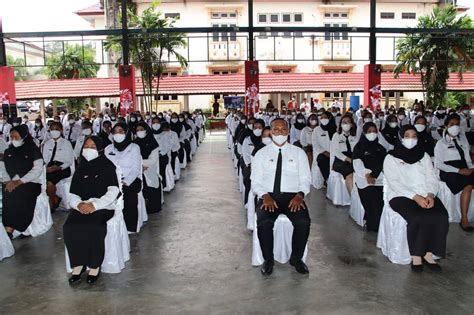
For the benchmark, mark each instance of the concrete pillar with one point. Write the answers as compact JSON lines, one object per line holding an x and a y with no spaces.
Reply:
{"x":344,"y":102}
{"x":42,"y":111}
{"x":387,"y":99}
{"x":186,"y":103}
{"x":277,"y":105}
{"x":397,"y":100}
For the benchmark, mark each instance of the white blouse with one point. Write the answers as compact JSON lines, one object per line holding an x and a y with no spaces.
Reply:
{"x":338,"y":145}
{"x":321,"y":141}
{"x":129,"y":161}
{"x":306,"y":138}
{"x":64,"y":152}
{"x":445,"y":151}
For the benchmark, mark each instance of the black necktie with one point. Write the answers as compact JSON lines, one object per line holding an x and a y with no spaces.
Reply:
{"x":348,"y":145}
{"x":461,"y":153}
{"x":70,"y":131}
{"x":468,"y":123}
{"x":277,"y":184}
{"x":54,"y":152}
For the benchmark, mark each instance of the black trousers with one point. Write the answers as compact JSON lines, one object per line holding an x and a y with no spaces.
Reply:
{"x":84,"y":236}
{"x":266,"y":220}
{"x":371,"y":198}
{"x":427,"y":229}
{"x":164,"y":160}
{"x":19,"y":206}
{"x":323,"y":164}
{"x":187,"y":149}
{"x":174,"y":155}
{"x":196,"y":134}
{"x":181,"y":154}
{"x":57,"y":176}
{"x":130,"y":204}
{"x":152,"y":197}
{"x":246,"y":172}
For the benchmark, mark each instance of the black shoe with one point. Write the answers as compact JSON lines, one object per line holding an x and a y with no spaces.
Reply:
{"x":432,"y":267}
{"x":416,"y":268}
{"x":267,"y":268}
{"x":469,"y":229}
{"x":77,"y":278}
{"x":93,"y":279}
{"x":300,"y":266}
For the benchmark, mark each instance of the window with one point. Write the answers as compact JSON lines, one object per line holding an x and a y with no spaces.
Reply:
{"x":233,"y":15}
{"x":169,"y":74}
{"x":281,"y":70}
{"x":233,"y":35}
{"x":332,"y":95}
{"x":336,"y":15}
{"x":298,"y":17}
{"x":387,"y":15}
{"x":223,"y":15}
{"x":168,"y":97}
{"x":223,"y":36}
{"x":335,"y":35}
{"x":275,"y":34}
{"x":408,"y":15}
{"x":344,"y":15}
{"x":286,"y":18}
{"x":215,"y":35}
{"x":219,"y":72}
{"x":172,"y":15}
{"x":392,"y":94}
{"x":344,"y":35}
{"x":274,"y":18}
{"x":298,"y":34}
{"x":263,"y":35}
{"x":327,"y":35}
{"x":262,"y":18}
{"x":287,"y":34}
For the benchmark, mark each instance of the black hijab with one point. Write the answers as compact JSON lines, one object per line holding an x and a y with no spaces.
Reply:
{"x":391,"y":134}
{"x":257,"y":140}
{"x":147,"y":144}
{"x":372,"y":153}
{"x":163,"y":124}
{"x":92,"y":178}
{"x":176,"y":127}
{"x":298,"y":125}
{"x":331,"y":127}
{"x":425,"y":139}
{"x":19,"y":161}
{"x":128,"y":138}
{"x":410,"y":156}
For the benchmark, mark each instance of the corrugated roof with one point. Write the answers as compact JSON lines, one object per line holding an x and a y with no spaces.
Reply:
{"x":231,"y":84}
{"x":95,"y":9}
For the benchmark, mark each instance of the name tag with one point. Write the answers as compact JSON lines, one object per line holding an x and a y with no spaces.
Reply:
{"x":323,"y":135}
{"x":451,"y":147}
{"x":111,"y":153}
{"x":342,"y":141}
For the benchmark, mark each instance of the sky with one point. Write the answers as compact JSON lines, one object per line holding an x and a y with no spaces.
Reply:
{"x":57,"y":15}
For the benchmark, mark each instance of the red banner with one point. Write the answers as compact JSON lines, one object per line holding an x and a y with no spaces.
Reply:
{"x":251,"y":88}
{"x":128,"y":99}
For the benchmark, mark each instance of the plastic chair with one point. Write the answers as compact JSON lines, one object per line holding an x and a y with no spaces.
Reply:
{"x":317,"y":179}
{"x":6,"y":247}
{"x":356,"y":210}
{"x":282,"y":234}
{"x":337,"y":190}
{"x":453,"y":203}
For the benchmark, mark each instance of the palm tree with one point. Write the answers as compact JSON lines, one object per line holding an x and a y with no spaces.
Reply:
{"x":434,"y":56}
{"x":147,"y":50}
{"x":72,"y":62}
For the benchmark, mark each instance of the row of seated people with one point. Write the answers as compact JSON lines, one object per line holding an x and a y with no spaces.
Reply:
{"x":360,"y":154}
{"x":93,"y":187}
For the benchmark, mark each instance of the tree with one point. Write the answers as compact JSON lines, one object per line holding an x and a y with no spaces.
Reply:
{"x":148,"y":51}
{"x":74,"y":62}
{"x":434,"y":56}
{"x":19,"y":67}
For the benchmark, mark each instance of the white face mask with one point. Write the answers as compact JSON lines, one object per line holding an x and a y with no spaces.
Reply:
{"x":147,"y":117}
{"x":156,"y":127}
{"x":392,"y":124}
{"x":174,"y":120}
{"x":55,"y":134}
{"x":38,"y":125}
{"x":119,"y":137}
{"x":243,"y":121}
{"x":257,"y":132}
{"x":300,"y":121}
{"x":441,"y":112}
{"x":86,"y":132}
{"x":181,"y":119}
{"x":324,"y":121}
{"x":420,"y":127}
{"x":429,"y":119}
{"x":366,"y":120}
{"x":90,"y":154}
{"x":401,"y":117}
{"x":250,"y":126}
{"x":15,"y":124}
{"x":346,"y":127}
{"x":71,"y":121}
{"x":133,"y":119}
{"x":17,"y":143}
{"x":371,"y":136}
{"x":409,"y":143}
{"x":266,"y":141}
{"x":313,"y":122}
{"x":454,"y":130}
{"x":280,"y":140}
{"x":141,"y":134}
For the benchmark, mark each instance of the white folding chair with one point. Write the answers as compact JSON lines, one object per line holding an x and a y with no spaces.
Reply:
{"x":356,"y":211}
{"x":6,"y":247}
{"x":453,"y":203}
{"x":337,"y":190}
{"x":251,"y":211}
{"x":317,"y":179}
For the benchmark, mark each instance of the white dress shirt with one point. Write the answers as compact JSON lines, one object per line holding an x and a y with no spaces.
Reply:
{"x":247,"y":149}
{"x":75,"y":130}
{"x":360,"y":171}
{"x":295,"y":175}
{"x":64,"y":152}
{"x":164,"y":140}
{"x":78,"y":146}
{"x":464,"y":123}
{"x":338,"y":145}
{"x":421,"y":175}
{"x":152,"y":173}
{"x":306,"y":137}
{"x":445,"y":151}
{"x":129,"y":161}
{"x":295,"y":134}
{"x":33,"y":176}
{"x":108,"y":201}
{"x":321,"y":141}
{"x":39,"y":134}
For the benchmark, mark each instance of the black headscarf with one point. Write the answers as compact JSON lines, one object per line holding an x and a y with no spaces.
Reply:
{"x":163,"y":124}
{"x":331,"y":127}
{"x":390,"y":134}
{"x":410,"y":156}
{"x":298,"y":125}
{"x":425,"y":139}
{"x":19,"y":161}
{"x":92,"y":178}
{"x":372,"y":153}
{"x":128,"y":137}
{"x":176,"y":127}
{"x":147,"y":144}
{"x":257,"y":140}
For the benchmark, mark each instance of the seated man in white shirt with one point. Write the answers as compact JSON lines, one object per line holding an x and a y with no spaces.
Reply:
{"x":280,"y":179}
{"x":73,"y":130}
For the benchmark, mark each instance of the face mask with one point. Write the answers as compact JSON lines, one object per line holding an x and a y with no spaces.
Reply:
{"x":147,"y":117}
{"x":409,"y":143}
{"x":429,"y":119}
{"x":181,"y":119}
{"x":346,"y":127}
{"x":141,"y":134}
{"x":90,"y":154}
{"x":156,"y":127}
{"x":174,"y":120}
{"x":420,"y":127}
{"x":139,"y":118}
{"x":266,"y":141}
{"x":86,"y":132}
{"x":334,"y":114}
{"x":160,"y":116}
{"x":243,"y":121}
{"x":25,"y":120}
{"x":38,"y":125}
{"x":55,"y":134}
{"x":280,"y":140}
{"x":71,"y":121}
{"x":366,"y":120}
{"x":250,"y":126}
{"x":381,"y":117}
{"x":300,"y":121}
{"x":119,"y":137}
{"x":313,"y":122}
{"x":466,"y":112}
{"x":153,"y":116}
{"x":17,"y":143}
{"x":454,"y":130}
{"x":401,"y":117}
{"x":257,"y":132}
{"x":15,"y":124}
{"x":133,"y":119}
{"x":392,"y":124}
{"x":371,"y":136}
{"x":324,"y":121}
{"x":441,"y":112}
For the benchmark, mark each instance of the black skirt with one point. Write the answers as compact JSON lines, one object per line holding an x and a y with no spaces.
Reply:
{"x":57,"y":176}
{"x":371,"y":198}
{"x":84,"y":236}
{"x":152,"y":197}
{"x":455,"y":181}
{"x":130,"y":204}
{"x":164,"y":160}
{"x":343,"y":168}
{"x":19,"y":206}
